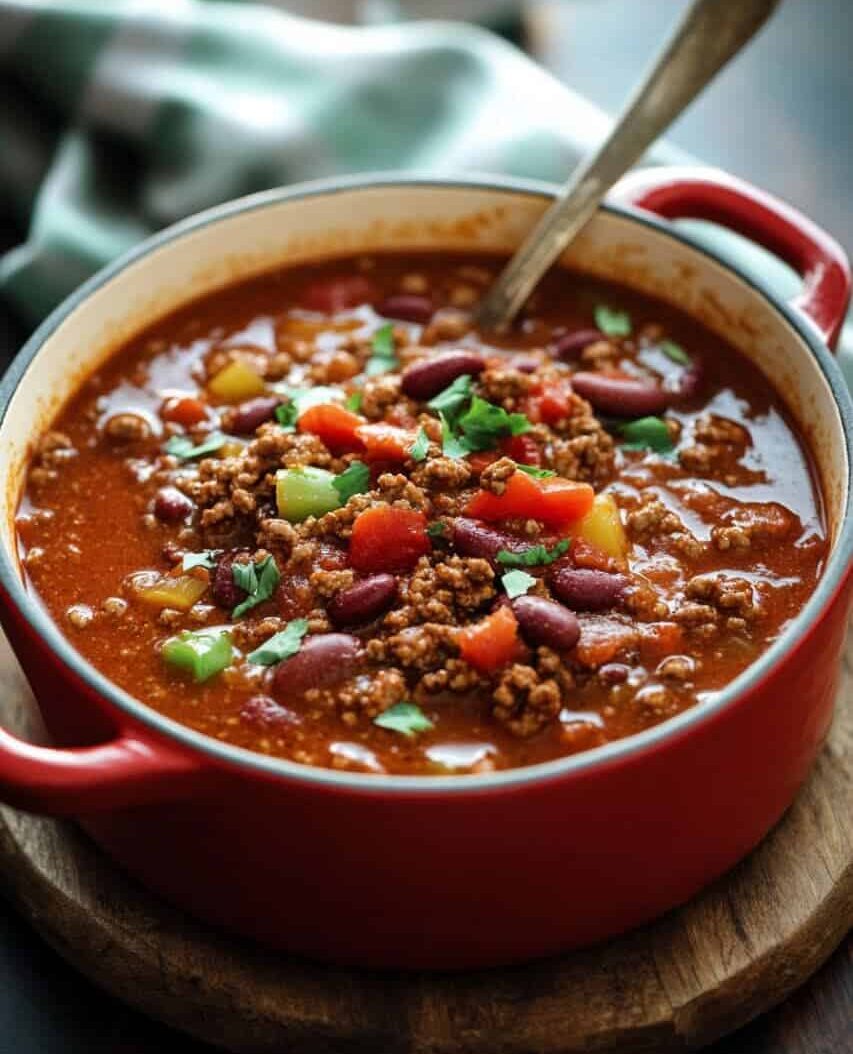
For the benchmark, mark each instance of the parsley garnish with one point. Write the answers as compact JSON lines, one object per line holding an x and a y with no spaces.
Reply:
{"x":536,"y":473}
{"x":184,"y":448}
{"x":451,"y":402}
{"x":517,"y":583}
{"x":301,"y":399}
{"x":258,"y":580}
{"x":418,"y":449}
{"x":206,"y":558}
{"x":483,"y":424}
{"x":353,"y":402}
{"x":437,"y":529}
{"x":647,"y":433}
{"x":612,"y":323}
{"x":534,"y":556}
{"x":407,"y":718}
{"x":384,"y":357}
{"x":675,"y":352}
{"x":287,"y":413}
{"x":355,"y":479}
{"x":280,"y":646}
{"x":451,"y":444}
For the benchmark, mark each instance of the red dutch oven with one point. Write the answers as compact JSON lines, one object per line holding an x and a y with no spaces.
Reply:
{"x":444,"y":871}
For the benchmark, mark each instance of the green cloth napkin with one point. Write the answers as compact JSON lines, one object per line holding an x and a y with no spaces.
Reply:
{"x":119,"y":117}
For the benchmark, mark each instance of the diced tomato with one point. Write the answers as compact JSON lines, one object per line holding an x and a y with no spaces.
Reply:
{"x":384,"y":442}
{"x":183,"y":410}
{"x":523,"y":449}
{"x":584,"y":554}
{"x":491,"y":643}
{"x":337,"y":294}
{"x":482,"y":459}
{"x":659,"y":639}
{"x":385,"y":538}
{"x":602,"y":639}
{"x":336,"y":426}
{"x":552,"y":502}
{"x":548,"y":403}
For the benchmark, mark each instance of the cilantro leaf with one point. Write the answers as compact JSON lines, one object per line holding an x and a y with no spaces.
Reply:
{"x":355,"y":479}
{"x":407,"y":718}
{"x":184,"y":448}
{"x":258,"y":580}
{"x":206,"y":558}
{"x":450,"y":402}
{"x":535,"y":472}
{"x":286,"y":414}
{"x":437,"y":529}
{"x":647,"y":433}
{"x":535,"y":556}
{"x":484,"y":423}
{"x":517,"y":583}
{"x":353,"y":401}
{"x":384,"y":357}
{"x":451,"y":444}
{"x":418,"y":449}
{"x":280,"y":646}
{"x":612,"y":323}
{"x":675,"y":352}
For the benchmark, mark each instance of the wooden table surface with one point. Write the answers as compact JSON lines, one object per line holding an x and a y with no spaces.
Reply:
{"x":782,"y":118}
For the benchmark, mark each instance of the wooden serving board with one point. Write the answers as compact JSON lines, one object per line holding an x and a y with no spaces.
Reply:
{"x":699,"y":972}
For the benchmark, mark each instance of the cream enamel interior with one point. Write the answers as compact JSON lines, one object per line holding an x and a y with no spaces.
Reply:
{"x":268,"y":234}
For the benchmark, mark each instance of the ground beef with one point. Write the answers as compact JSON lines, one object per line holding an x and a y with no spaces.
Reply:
{"x":454,"y":676}
{"x":718,"y":445}
{"x":420,"y":648}
{"x":441,"y":474}
{"x":504,"y":386}
{"x":494,"y":477}
{"x":754,"y":524}
{"x":523,"y":702}
{"x":733,"y":598}
{"x":364,"y":697}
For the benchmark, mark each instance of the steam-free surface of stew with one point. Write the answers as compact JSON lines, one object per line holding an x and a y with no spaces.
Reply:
{"x":320,"y":516}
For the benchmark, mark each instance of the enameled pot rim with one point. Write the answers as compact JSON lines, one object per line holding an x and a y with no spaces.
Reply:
{"x":618,"y":751}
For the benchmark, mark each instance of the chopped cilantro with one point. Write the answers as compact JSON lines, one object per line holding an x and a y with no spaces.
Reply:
{"x":437,"y":529}
{"x":647,"y":433}
{"x":355,"y":479}
{"x":451,"y":444}
{"x":184,"y":448}
{"x":286,"y":414}
{"x":407,"y":718}
{"x":258,"y":580}
{"x":483,"y":424}
{"x":612,"y":323}
{"x":418,"y":449}
{"x":353,"y":402}
{"x":206,"y":558}
{"x":516,"y":583}
{"x":451,"y":402}
{"x":384,"y":357}
{"x":280,"y":646}
{"x":675,"y":352}
{"x":535,"y":556}
{"x":535,"y":472}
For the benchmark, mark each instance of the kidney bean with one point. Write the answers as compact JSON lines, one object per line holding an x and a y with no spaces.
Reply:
{"x":424,"y":379}
{"x":171,"y":506}
{"x":612,"y":673}
{"x":363,"y":601}
{"x":407,"y":307}
{"x":262,"y":710}
{"x":225,"y":591}
{"x":322,"y":661}
{"x":570,"y":345}
{"x":524,"y":363}
{"x":252,"y":414}
{"x":621,"y":396}
{"x":585,"y":589}
{"x":474,"y":538}
{"x":545,"y":622}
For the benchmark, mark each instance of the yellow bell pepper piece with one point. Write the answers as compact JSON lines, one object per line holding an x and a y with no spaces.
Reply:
{"x":179,"y":592}
{"x":602,"y":527}
{"x":235,"y":382}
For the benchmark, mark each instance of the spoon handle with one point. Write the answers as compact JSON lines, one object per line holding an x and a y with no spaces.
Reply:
{"x":711,"y":33}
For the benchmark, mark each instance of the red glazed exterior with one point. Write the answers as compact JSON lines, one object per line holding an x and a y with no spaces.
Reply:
{"x":477,"y":874}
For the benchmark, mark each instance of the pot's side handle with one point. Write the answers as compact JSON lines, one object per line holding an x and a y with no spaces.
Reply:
{"x":709,"y":194}
{"x":124,"y":772}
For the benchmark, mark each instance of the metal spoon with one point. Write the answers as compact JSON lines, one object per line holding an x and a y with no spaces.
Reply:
{"x":711,"y":33}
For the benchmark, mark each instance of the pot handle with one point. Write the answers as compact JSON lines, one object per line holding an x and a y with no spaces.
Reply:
{"x":74,"y":781}
{"x":710,"y":194}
